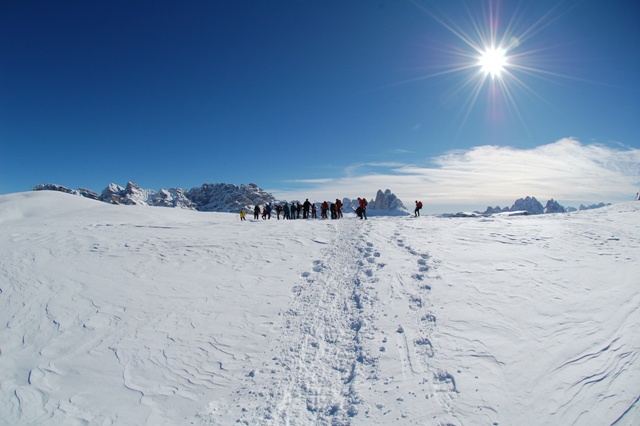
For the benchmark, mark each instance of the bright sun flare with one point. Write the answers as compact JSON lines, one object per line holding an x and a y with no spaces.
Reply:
{"x":492,"y":61}
{"x":491,"y":57}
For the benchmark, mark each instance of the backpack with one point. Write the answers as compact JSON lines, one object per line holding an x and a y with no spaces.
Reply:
{"x":419,"y":204}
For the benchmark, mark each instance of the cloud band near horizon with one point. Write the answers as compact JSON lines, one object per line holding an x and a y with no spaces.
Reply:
{"x":566,"y":170}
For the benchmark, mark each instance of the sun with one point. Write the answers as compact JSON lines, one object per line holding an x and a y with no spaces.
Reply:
{"x":493,"y":61}
{"x":496,"y":48}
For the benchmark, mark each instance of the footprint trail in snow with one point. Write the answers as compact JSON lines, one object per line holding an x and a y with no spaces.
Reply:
{"x":339,"y":354}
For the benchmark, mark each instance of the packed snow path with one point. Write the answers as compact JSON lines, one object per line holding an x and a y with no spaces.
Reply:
{"x":130,"y":315}
{"x":339,"y":345}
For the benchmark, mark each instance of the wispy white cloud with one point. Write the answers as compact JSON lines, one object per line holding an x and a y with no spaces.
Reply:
{"x":567,"y":170}
{"x":310,"y":181}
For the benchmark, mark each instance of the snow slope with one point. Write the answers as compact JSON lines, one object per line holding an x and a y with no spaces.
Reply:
{"x":137,"y":315}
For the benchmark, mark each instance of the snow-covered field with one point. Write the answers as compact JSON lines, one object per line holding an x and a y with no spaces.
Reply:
{"x":130,"y":315}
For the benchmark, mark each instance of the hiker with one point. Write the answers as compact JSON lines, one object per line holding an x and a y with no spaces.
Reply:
{"x":339,"y":208}
{"x":323,"y":210}
{"x":293,"y":210}
{"x":305,"y":209}
{"x":416,"y":212}
{"x":298,"y":209}
{"x":242,"y":214}
{"x":285,"y":209}
{"x":256,"y":212}
{"x":314,"y":211}
{"x":278,"y":210}
{"x":363,"y":208}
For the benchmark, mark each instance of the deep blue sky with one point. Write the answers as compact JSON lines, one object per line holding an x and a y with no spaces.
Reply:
{"x":177,"y":94}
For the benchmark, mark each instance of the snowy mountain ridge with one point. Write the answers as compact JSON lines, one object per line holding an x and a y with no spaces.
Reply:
{"x":218,"y":197}
{"x":215,"y":197}
{"x":385,"y":204}
{"x":529,"y":206}
{"x":223,"y":197}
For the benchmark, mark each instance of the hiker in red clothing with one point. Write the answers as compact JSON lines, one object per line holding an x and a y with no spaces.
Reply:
{"x":323,"y":210}
{"x":363,"y":208}
{"x":416,"y":212}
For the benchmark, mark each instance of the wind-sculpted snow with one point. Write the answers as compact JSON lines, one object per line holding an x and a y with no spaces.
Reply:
{"x":133,"y":315}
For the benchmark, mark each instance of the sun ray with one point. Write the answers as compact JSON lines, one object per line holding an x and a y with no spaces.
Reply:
{"x":496,"y":56}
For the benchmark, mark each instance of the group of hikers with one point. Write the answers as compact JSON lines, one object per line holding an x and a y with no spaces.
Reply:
{"x":308,"y":210}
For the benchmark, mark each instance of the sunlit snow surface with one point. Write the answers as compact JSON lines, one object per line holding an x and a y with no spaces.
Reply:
{"x":134,"y":315}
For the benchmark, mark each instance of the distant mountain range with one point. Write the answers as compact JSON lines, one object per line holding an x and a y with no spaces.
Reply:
{"x":216,"y":197}
{"x":528,"y":206}
{"x":223,"y":197}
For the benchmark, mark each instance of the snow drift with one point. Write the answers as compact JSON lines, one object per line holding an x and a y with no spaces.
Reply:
{"x":135,"y":315}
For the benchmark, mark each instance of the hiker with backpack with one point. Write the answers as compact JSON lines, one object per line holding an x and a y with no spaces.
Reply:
{"x":416,"y":212}
{"x":323,"y":209}
{"x":285,"y":210}
{"x":363,"y":208}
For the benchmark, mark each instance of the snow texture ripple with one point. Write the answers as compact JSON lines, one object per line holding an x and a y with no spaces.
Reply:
{"x":133,"y":315}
